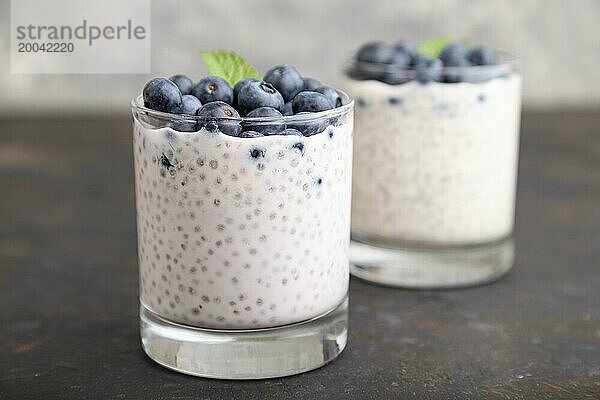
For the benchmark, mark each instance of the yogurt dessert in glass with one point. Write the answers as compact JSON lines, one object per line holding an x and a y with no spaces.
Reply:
{"x":243,"y":224}
{"x":435,"y":164}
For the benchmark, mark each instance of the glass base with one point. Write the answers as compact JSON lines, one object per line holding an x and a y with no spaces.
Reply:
{"x":245,"y":354}
{"x":432,"y":268}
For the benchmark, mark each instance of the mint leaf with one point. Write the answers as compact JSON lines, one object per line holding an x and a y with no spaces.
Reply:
{"x":434,"y":47}
{"x":228,"y":65}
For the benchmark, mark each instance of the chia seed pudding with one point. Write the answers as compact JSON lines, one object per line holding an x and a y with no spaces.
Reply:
{"x":435,"y":152}
{"x":242,"y":231}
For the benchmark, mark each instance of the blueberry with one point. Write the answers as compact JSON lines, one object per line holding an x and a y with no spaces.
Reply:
{"x":211,"y":126}
{"x":251,"y":134}
{"x":184,"y":126}
{"x":401,"y":63}
{"x":269,"y":128}
{"x":486,"y":57}
{"x":428,"y":69}
{"x":161,"y":94}
{"x":238,"y":86}
{"x":264,"y":112}
{"x":286,"y":79}
{"x":310,"y":83}
{"x":213,"y":88}
{"x":190,"y":104}
{"x":291,"y":131}
{"x":299,"y":146}
{"x":257,"y":152}
{"x":258,"y":94}
{"x":360,"y":74}
{"x":405,"y":47}
{"x":311,"y":102}
{"x":482,"y":56}
{"x":287,"y":109}
{"x":454,"y":55}
{"x":213,"y":112}
{"x":401,"y":59}
{"x":310,"y":127}
{"x":381,"y":53}
{"x":184,"y":83}
{"x":332,"y":94}
{"x":165,"y":162}
{"x":375,"y":52}
{"x":218,"y":109}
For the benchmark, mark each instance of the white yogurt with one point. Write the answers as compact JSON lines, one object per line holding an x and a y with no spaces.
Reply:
{"x":435,"y":163}
{"x":242,"y":233}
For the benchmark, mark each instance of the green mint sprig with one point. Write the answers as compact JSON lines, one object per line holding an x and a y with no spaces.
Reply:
{"x":228,"y":65}
{"x":433,"y":47}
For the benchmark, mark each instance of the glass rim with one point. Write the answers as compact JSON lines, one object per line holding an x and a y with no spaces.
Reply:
{"x":506,"y":61}
{"x":137,"y":104}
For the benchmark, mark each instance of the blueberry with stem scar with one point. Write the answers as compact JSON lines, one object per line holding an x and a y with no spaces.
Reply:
{"x":286,"y":79}
{"x":213,"y":88}
{"x":257,"y":94}
{"x":221,"y":114}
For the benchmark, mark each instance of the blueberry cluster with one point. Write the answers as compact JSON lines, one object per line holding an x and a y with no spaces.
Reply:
{"x":282,"y":92}
{"x":400,"y":63}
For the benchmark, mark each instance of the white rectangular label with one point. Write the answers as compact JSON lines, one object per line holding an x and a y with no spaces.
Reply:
{"x":80,"y":36}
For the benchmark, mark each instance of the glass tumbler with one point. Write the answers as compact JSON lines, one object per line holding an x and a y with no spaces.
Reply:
{"x":243,"y":242}
{"x":435,"y":166}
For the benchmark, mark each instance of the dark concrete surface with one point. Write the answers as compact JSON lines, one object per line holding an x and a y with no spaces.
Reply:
{"x":69,"y":305}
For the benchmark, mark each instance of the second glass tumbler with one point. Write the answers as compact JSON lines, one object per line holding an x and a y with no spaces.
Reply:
{"x":435,"y":166}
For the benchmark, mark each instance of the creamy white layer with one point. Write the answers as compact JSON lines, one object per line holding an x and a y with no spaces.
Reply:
{"x":435,"y":163}
{"x":242,"y":233}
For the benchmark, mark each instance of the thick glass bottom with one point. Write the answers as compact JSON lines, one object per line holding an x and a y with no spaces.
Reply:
{"x":431,"y":268}
{"x":245,"y":354}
